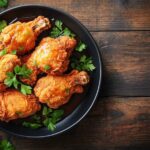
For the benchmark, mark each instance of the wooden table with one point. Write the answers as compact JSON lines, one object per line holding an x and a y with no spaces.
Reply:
{"x":120,"y":119}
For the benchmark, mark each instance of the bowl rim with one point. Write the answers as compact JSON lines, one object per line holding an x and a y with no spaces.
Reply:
{"x":99,"y":62}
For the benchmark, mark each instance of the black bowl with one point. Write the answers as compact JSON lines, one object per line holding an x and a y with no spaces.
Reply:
{"x":30,"y":11}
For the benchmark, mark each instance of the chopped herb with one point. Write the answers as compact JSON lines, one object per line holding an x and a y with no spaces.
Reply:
{"x":25,"y":89}
{"x":35,"y":63}
{"x":19,"y":113}
{"x":6,"y":145}
{"x":67,"y":90}
{"x":84,"y":63}
{"x":3,"y":24}
{"x":31,"y":125}
{"x":3,"y":3}
{"x":20,"y":48}
{"x":67,"y":32}
{"x":58,"y":30}
{"x":14,"y":52}
{"x":12,"y":81}
{"x":3,"y":52}
{"x":47,"y":67}
{"x":80,"y":47}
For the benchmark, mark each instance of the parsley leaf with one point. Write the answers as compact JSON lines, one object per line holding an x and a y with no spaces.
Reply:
{"x":22,"y":71}
{"x":67,"y":32}
{"x":3,"y":52}
{"x":25,"y":89}
{"x":80,"y":47}
{"x":47,"y":67}
{"x":58,"y":30}
{"x":3,"y":3}
{"x":14,"y":52}
{"x":84,"y":63}
{"x":31,"y":125}
{"x":3,"y":24}
{"x":6,"y":145}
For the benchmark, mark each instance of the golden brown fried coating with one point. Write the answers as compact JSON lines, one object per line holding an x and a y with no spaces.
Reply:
{"x":22,"y":36}
{"x":51,"y":56}
{"x":14,"y":105}
{"x":57,"y":90}
{"x":7,"y":64}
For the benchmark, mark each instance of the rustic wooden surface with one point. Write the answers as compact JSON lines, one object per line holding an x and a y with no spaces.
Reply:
{"x":120,"y":119}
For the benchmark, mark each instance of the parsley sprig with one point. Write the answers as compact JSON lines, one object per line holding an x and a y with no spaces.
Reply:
{"x":58,"y":30}
{"x":6,"y":145}
{"x":81,"y":47}
{"x":48,"y":118}
{"x":83,"y":63}
{"x":12,"y":79}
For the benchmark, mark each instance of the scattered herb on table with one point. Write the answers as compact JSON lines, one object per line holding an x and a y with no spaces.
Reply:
{"x":12,"y":79}
{"x":81,"y":47}
{"x":6,"y":145}
{"x":83,"y":63}
{"x":3,"y":24}
{"x":48,"y":118}
{"x":3,"y":3}
{"x":58,"y":30}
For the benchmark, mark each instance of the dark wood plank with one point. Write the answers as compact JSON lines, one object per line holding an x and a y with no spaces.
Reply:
{"x":126,"y":62}
{"x":113,"y":123}
{"x":102,"y":15}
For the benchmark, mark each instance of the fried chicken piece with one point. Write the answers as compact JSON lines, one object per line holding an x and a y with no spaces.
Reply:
{"x":22,"y":36}
{"x":51,"y":56}
{"x":14,"y":105}
{"x":57,"y":90}
{"x":7,"y":64}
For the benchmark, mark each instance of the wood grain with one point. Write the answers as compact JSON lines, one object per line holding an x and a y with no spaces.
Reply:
{"x":126,"y":62}
{"x":99,"y":15}
{"x":114,"y":123}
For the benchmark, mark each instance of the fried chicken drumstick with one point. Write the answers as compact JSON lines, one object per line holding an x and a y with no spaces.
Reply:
{"x":57,"y":90}
{"x":51,"y":56}
{"x":14,"y":105}
{"x":22,"y":36}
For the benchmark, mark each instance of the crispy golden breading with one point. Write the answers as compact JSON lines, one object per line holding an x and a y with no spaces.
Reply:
{"x":57,"y":90}
{"x":22,"y":36}
{"x":7,"y":64}
{"x":14,"y":105}
{"x":51,"y":56}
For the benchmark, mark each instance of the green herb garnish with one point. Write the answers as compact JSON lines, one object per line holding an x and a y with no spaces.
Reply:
{"x":12,"y":80}
{"x":47,"y":67}
{"x":20,"y":48}
{"x":58,"y":30}
{"x":6,"y":145}
{"x":84,"y":63}
{"x":3,"y":24}
{"x":81,"y":47}
{"x":14,"y":52}
{"x":31,"y":125}
{"x":48,"y":118}
{"x":3,"y":52}
{"x":3,"y":3}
